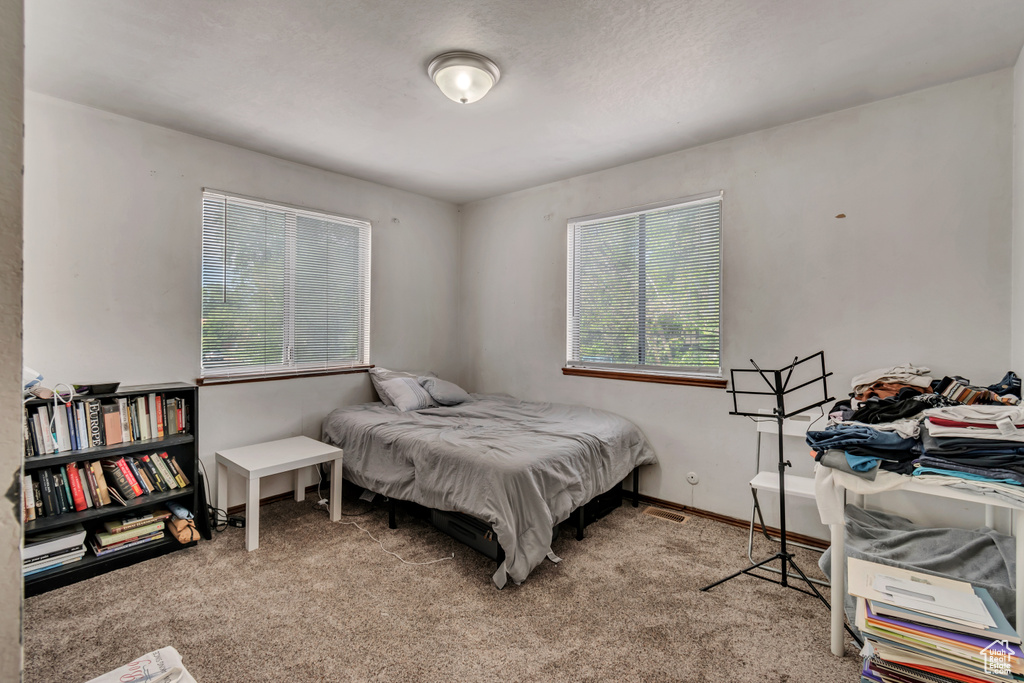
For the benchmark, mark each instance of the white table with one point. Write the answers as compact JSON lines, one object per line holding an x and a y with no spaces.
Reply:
{"x":274,"y":457}
{"x":831,"y":483}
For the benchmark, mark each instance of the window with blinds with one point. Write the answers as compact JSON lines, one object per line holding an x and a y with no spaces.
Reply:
{"x":285,"y":290}
{"x":645,"y":289}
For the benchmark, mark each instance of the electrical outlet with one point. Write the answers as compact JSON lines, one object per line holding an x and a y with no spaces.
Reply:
{"x":237,"y":522}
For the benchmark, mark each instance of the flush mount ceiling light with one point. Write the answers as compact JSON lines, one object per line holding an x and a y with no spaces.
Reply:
{"x":463,"y":77}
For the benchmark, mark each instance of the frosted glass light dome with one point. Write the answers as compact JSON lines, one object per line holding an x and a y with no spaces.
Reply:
{"x":463,"y":77}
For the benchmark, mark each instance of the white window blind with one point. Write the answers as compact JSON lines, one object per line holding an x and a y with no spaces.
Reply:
{"x":285,"y":290}
{"x":645,"y":289}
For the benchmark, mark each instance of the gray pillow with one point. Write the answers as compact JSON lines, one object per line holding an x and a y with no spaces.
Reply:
{"x":378,"y":375}
{"x":406,"y":394}
{"x":445,"y":393}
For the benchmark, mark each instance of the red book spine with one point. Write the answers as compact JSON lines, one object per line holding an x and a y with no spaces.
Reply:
{"x":77,"y":497}
{"x":181,"y":417}
{"x":129,"y":477}
{"x":160,"y":416}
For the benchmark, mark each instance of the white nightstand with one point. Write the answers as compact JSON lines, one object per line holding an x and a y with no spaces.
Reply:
{"x":274,"y":457}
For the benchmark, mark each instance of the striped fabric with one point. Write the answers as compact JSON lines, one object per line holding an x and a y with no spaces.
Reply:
{"x":407,"y":394}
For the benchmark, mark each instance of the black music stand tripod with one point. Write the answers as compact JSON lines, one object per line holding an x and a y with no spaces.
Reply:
{"x":778,"y":384}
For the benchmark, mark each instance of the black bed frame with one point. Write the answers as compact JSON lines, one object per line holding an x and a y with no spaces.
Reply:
{"x":597,"y":507}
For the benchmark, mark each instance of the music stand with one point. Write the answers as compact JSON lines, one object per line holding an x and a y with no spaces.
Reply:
{"x":779,"y":389}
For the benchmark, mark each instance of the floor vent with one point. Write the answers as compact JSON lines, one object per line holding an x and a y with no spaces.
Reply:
{"x":669,"y":515}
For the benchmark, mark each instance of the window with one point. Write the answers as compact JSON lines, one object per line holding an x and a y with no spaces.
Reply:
{"x":285,"y":290}
{"x":645,"y":290}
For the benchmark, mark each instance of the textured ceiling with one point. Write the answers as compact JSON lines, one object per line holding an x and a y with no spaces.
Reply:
{"x":585,"y":85}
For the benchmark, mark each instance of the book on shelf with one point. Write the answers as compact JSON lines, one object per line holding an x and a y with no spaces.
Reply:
{"x":105,"y":538}
{"x":100,"y":551}
{"x":116,"y":526}
{"x":111,"y":424}
{"x":52,"y":541}
{"x":63,"y":494}
{"x":37,"y":492}
{"x":54,"y":556}
{"x":153,"y":472}
{"x":94,"y":412}
{"x":91,"y":422}
{"x":125,"y":415}
{"x":89,"y":484}
{"x":140,"y":474}
{"x":920,"y":627}
{"x":101,"y":482}
{"x":60,"y":563}
{"x":84,"y":483}
{"x":74,"y":483}
{"x":159,"y":415}
{"x":125,"y":486}
{"x":179,"y":473}
{"x":28,"y":500}
{"x":165,"y":472}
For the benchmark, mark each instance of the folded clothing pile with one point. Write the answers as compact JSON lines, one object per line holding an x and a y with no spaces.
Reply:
{"x":951,"y":429}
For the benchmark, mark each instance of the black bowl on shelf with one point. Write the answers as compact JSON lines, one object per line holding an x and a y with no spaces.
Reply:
{"x":99,"y":388}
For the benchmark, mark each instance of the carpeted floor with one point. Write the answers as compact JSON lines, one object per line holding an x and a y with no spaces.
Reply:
{"x":321,"y":602}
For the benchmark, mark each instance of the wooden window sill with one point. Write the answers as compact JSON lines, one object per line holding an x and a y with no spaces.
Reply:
{"x":218,"y":381}
{"x":711,"y":382}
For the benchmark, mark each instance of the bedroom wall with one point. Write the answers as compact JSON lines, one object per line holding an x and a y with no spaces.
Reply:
{"x":12,"y":52}
{"x":918,"y":270}
{"x":1017,"y":314}
{"x":112,"y":252}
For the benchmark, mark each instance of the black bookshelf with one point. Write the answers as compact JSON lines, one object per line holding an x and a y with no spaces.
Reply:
{"x":184,"y":448}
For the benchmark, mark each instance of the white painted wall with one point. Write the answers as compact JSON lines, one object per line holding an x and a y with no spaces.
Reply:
{"x":112,"y":251}
{"x":12,"y":62}
{"x":919,"y":271}
{"x":1017,"y":314}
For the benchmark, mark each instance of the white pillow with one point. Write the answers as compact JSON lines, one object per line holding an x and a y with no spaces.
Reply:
{"x":406,"y":394}
{"x":444,"y":392}
{"x":379,"y":375}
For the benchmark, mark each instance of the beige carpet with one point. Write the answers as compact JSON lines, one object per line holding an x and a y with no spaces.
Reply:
{"x":321,"y":602}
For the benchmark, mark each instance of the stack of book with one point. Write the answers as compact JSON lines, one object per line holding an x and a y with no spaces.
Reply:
{"x":131,"y":532}
{"x":61,"y":427}
{"x":930,"y":629}
{"x":82,"y":485}
{"x":53,"y":549}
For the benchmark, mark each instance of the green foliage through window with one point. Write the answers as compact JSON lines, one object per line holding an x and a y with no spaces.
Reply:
{"x":645,"y":289}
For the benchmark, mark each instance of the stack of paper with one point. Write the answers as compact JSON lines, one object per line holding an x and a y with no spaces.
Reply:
{"x":930,"y":629}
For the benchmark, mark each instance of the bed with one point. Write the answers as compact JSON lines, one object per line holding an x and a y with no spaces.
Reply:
{"x":520,"y":466}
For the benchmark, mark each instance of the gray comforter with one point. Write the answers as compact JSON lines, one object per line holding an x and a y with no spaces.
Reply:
{"x":520,"y":466}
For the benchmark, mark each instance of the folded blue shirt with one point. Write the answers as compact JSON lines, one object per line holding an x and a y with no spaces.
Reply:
{"x":861,"y":463}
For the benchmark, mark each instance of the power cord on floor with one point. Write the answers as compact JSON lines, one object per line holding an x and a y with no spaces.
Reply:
{"x":400,"y":558}
{"x":322,"y":505}
{"x":216,"y":514}
{"x":321,"y":501}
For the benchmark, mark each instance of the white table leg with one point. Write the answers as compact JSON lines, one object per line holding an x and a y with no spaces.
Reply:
{"x":336,"y":490}
{"x":252,"y":515}
{"x":300,"y":485}
{"x":838,"y":589}
{"x":1018,"y":524}
{"x":990,"y":516}
{"x":222,"y":488}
